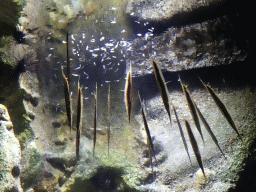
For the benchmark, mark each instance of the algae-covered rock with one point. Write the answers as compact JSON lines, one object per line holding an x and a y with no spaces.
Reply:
{"x":209,"y":43}
{"x":222,"y":172}
{"x":10,"y":154}
{"x":31,"y":167}
{"x":155,"y":10}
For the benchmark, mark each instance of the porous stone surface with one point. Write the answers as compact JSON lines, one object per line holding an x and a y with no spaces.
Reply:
{"x":193,"y":46}
{"x":158,"y":10}
{"x":10,"y":154}
{"x":173,"y":168}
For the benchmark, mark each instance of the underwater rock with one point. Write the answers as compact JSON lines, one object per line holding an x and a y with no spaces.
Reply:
{"x":10,"y":155}
{"x":155,"y":10}
{"x":176,"y":172}
{"x":98,"y":54}
{"x":205,"y":44}
{"x":4,"y":116}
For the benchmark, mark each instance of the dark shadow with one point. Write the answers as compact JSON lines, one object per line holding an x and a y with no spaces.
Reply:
{"x":105,"y":179}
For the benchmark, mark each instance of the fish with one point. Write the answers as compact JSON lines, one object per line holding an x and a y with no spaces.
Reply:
{"x":208,"y":128}
{"x":162,"y":88}
{"x":192,"y":108}
{"x":68,"y":60}
{"x":109,"y":120}
{"x":67,"y":99}
{"x":149,"y":139}
{"x":222,"y":108}
{"x":95,"y":121}
{"x":181,"y":132}
{"x":194,"y":146}
{"x":128,"y":87}
{"x":79,"y":118}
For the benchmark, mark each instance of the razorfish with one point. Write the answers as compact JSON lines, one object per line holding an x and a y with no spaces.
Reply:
{"x":109,"y":120}
{"x":192,"y":108}
{"x":79,"y":118}
{"x":162,"y":88}
{"x":67,"y":99}
{"x":128,"y":86}
{"x":222,"y":108}
{"x":95,"y":121}
{"x":68,"y":60}
{"x":149,"y":139}
{"x":181,"y":132}
{"x":194,"y":146}
{"x":208,"y":128}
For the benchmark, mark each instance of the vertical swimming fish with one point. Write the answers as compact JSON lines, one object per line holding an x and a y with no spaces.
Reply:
{"x":68,"y":61}
{"x":192,"y":108}
{"x":222,"y":108}
{"x":208,"y":128}
{"x":162,"y":88}
{"x":194,"y":145}
{"x":128,"y":87}
{"x":149,"y":139}
{"x":95,"y":121}
{"x":108,"y":128}
{"x":79,"y":118}
{"x":67,"y":99}
{"x":181,"y":132}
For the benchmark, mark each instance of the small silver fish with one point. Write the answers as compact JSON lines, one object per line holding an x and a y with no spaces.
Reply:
{"x":181,"y":132}
{"x":95,"y":121}
{"x":67,"y":99}
{"x":222,"y":108}
{"x":162,"y":88}
{"x":149,"y":139}
{"x":192,"y":108}
{"x":194,"y":145}
{"x":128,"y":87}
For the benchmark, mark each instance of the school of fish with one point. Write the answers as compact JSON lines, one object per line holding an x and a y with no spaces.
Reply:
{"x":167,"y":102}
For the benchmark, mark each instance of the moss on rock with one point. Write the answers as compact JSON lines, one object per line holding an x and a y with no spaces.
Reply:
{"x":33,"y":168}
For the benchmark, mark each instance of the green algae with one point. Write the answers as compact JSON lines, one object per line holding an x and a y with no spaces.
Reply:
{"x":104,"y":178}
{"x":31,"y":176}
{"x":25,"y":137}
{"x":9,"y":12}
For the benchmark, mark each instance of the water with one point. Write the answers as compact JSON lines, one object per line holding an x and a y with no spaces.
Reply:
{"x":104,"y":39}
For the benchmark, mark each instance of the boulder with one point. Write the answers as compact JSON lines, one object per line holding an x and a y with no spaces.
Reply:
{"x":10,"y":154}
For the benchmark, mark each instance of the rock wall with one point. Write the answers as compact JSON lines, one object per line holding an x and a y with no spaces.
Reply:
{"x":10,"y":154}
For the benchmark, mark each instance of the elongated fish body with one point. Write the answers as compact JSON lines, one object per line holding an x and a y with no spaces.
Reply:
{"x":192,"y":108}
{"x":208,"y":128}
{"x":68,"y":60}
{"x":162,"y":88}
{"x":109,"y":120}
{"x":67,"y":99}
{"x":79,"y":118}
{"x":149,"y":139}
{"x":181,"y":132}
{"x":222,"y":108}
{"x":194,"y":145}
{"x":95,"y":121}
{"x":128,"y":87}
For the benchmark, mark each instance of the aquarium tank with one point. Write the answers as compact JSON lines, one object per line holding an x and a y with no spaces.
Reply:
{"x":127,"y":95}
